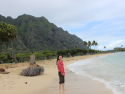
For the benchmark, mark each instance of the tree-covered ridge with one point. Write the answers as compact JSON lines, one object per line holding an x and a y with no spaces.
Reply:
{"x":38,"y":34}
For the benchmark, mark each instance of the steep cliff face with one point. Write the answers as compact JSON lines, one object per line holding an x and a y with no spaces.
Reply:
{"x":38,"y":34}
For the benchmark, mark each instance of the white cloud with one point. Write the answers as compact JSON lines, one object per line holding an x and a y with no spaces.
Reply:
{"x":117,"y":43}
{"x":112,"y":44}
{"x":75,"y":17}
{"x":104,"y":32}
{"x":65,"y":12}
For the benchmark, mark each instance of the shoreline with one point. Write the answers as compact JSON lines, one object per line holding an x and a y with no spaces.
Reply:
{"x":76,"y":84}
{"x":35,"y":84}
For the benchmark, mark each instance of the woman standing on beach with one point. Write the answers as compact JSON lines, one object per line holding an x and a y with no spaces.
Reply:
{"x":61,"y":72}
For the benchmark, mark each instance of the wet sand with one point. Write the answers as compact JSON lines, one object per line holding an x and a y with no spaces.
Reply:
{"x":75,"y":84}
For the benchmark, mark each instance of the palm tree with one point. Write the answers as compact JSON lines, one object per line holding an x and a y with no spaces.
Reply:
{"x":96,"y":44}
{"x":89,"y":44}
{"x":105,"y":48}
{"x":75,"y":47}
{"x":93,"y":43}
{"x":84,"y":43}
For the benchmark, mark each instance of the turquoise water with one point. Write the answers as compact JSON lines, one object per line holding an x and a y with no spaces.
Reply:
{"x":108,"y":69}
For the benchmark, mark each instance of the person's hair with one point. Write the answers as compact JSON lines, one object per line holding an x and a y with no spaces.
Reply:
{"x":58,"y":57}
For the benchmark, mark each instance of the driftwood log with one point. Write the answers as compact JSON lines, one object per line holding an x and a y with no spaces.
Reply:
{"x":5,"y":72}
{"x":2,"y":71}
{"x":33,"y":69}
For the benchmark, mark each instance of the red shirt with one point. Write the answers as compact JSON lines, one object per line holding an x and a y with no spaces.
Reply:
{"x":60,"y":66}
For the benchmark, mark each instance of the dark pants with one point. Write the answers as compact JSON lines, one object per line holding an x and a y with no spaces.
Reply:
{"x":61,"y":78}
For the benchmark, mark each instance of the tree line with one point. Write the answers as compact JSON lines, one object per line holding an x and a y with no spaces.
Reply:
{"x":75,"y":52}
{"x":23,"y":57}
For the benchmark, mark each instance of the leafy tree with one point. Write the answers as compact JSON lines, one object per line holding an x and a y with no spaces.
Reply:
{"x":3,"y":57}
{"x":61,"y":52}
{"x":47,"y":53}
{"x":73,"y":52}
{"x":20,"y":56}
{"x":8,"y":33}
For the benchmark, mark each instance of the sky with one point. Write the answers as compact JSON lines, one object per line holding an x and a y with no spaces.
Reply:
{"x":99,"y":20}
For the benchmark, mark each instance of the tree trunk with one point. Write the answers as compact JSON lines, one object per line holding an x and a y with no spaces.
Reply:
{"x":32,"y":59}
{"x":6,"y":49}
{"x":13,"y":52}
{"x":13,"y":57}
{"x":90,"y":50}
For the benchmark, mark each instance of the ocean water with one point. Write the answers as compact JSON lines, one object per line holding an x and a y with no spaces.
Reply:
{"x":108,"y":69}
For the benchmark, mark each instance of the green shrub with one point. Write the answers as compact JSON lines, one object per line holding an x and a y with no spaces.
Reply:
{"x":3,"y":57}
{"x":79,"y":53}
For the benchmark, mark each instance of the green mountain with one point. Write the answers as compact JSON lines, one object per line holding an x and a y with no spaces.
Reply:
{"x":38,"y":34}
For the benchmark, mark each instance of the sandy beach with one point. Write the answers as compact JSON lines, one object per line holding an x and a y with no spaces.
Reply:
{"x":47,"y":83}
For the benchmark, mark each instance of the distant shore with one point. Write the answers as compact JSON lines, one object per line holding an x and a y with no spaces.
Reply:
{"x":48,"y":82}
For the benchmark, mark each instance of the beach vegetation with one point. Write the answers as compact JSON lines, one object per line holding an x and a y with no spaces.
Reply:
{"x":76,"y":52}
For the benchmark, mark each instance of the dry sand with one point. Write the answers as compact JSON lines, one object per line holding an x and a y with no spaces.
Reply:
{"x":47,"y":83}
